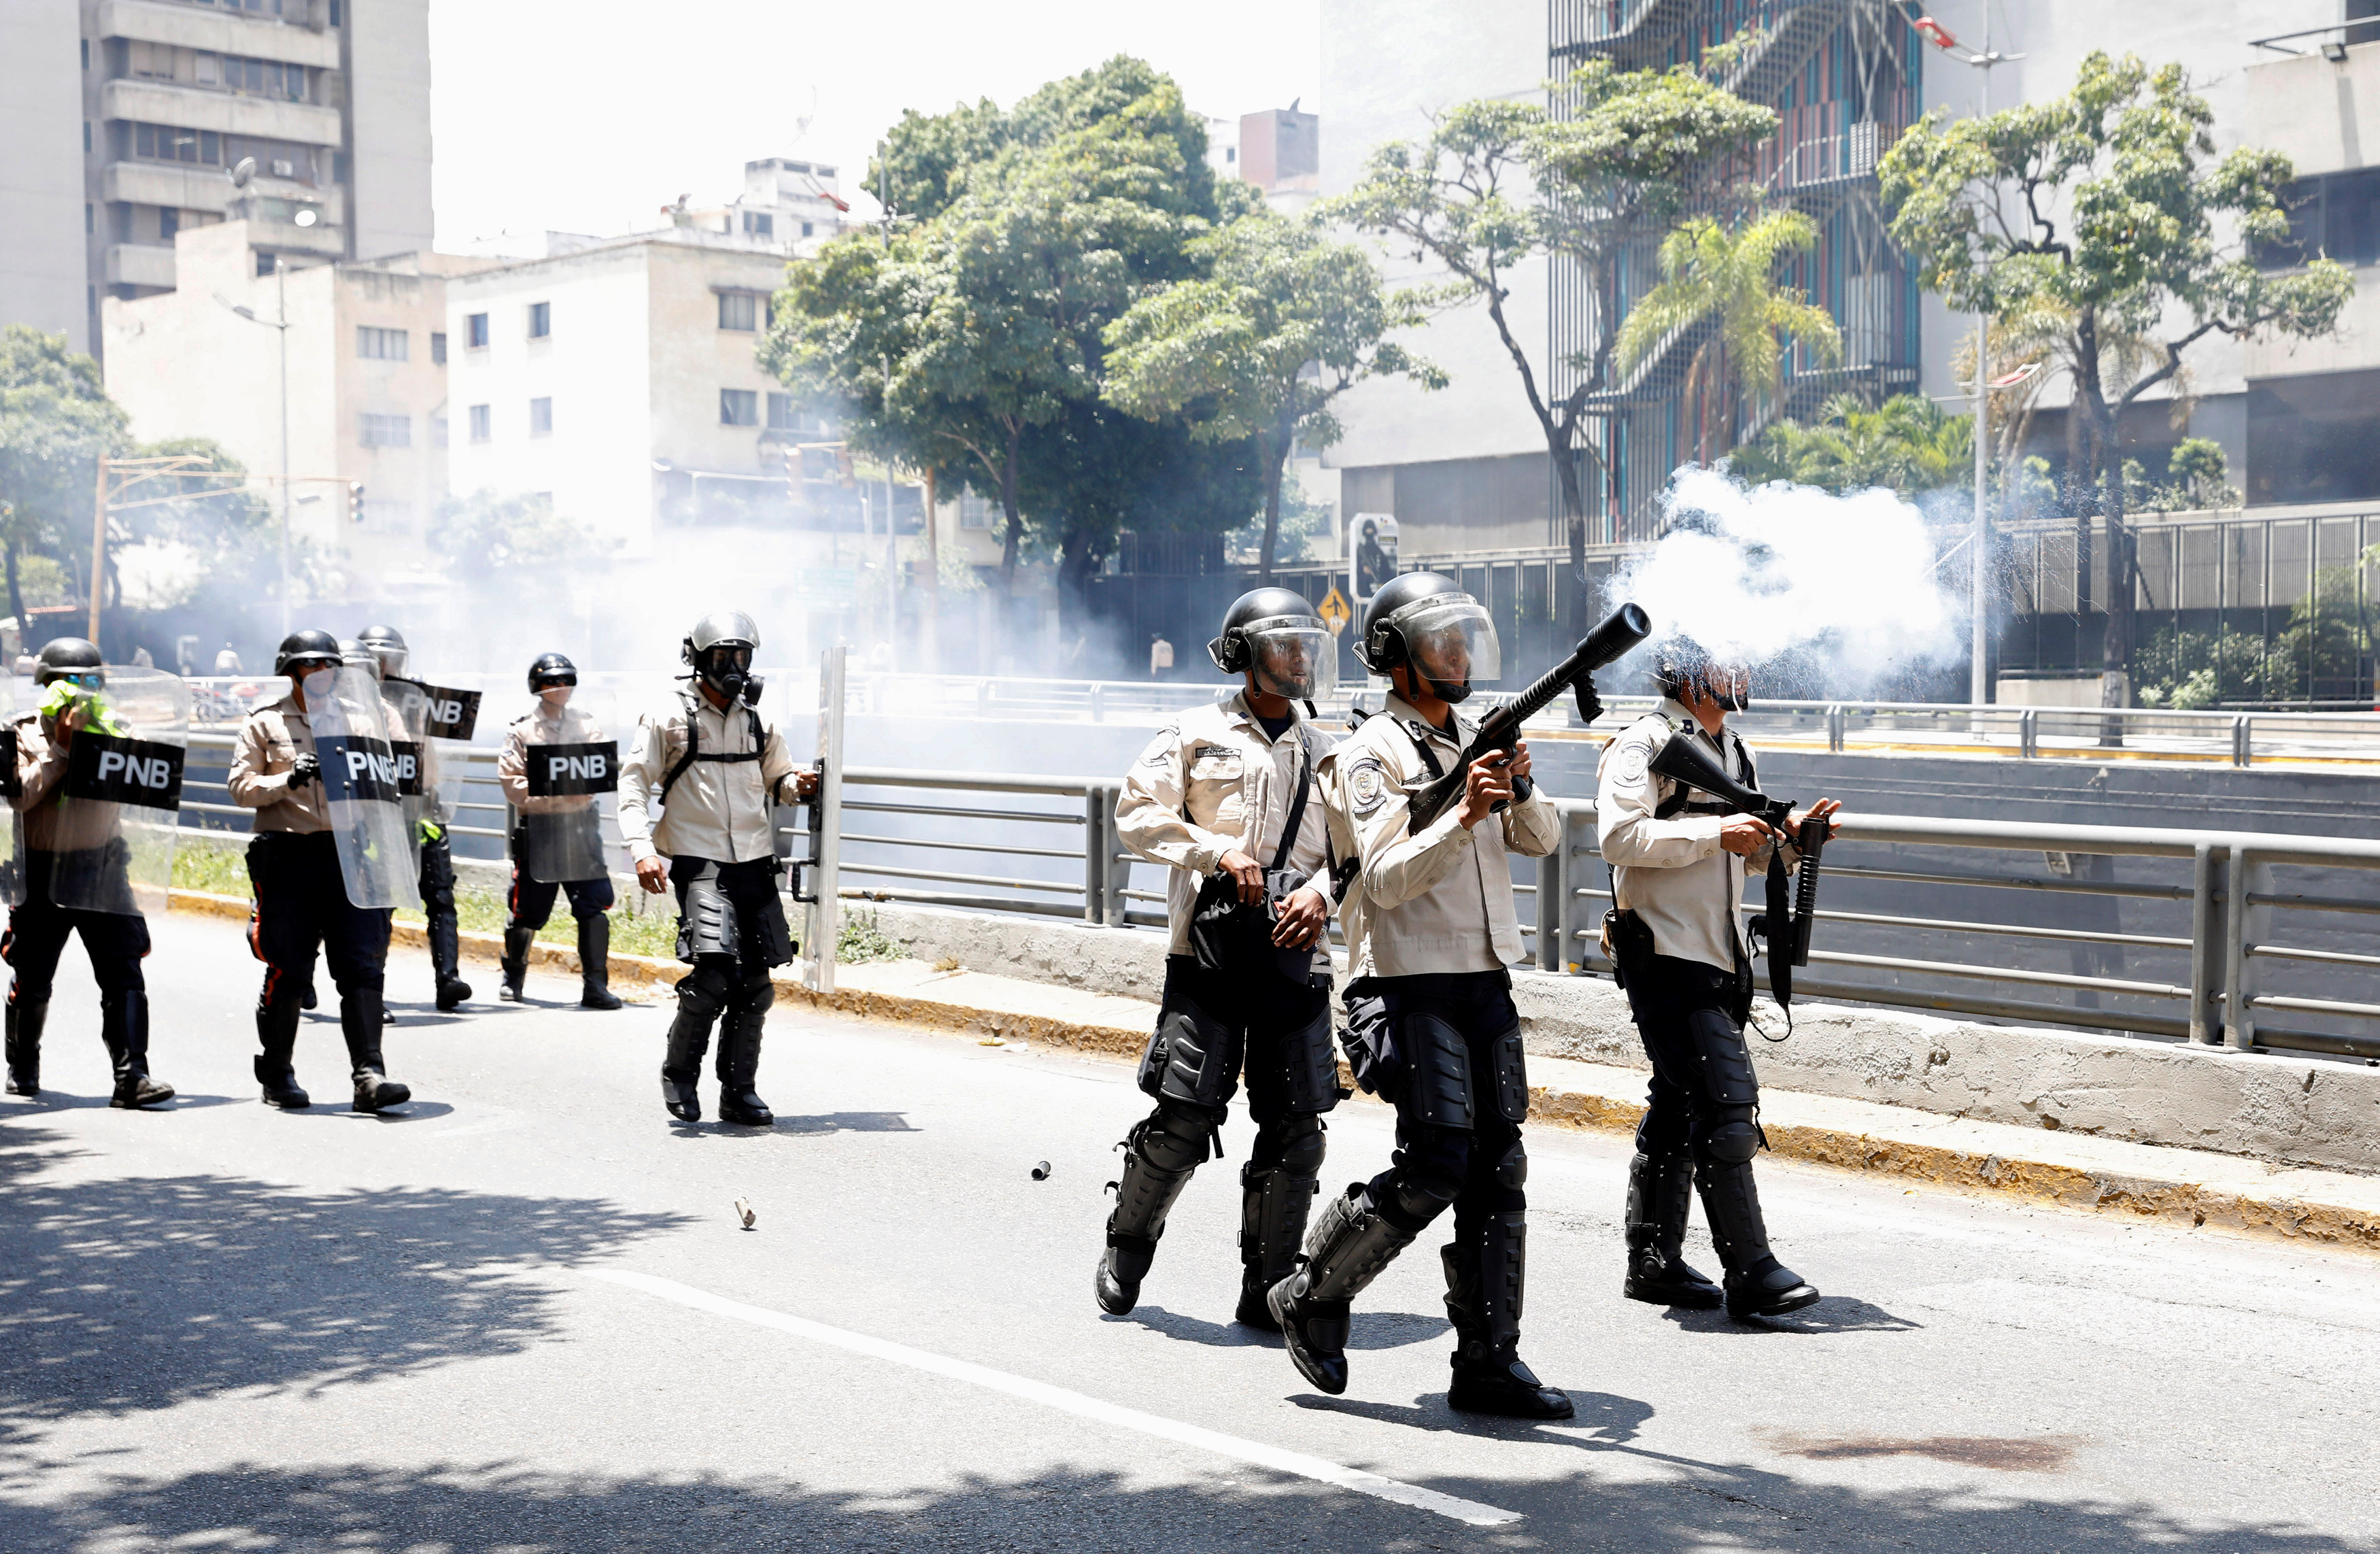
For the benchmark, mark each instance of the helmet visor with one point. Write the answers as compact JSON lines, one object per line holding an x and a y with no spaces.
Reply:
{"x":1291,"y":656}
{"x":724,"y":656}
{"x":1450,"y":638}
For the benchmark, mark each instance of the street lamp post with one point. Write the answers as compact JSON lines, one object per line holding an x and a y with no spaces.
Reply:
{"x":280,"y":326}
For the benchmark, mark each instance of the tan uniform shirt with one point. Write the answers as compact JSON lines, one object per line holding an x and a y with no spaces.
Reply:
{"x":541,"y":727}
{"x":1442,"y":900}
{"x":718,"y":810}
{"x":1672,"y":873}
{"x":51,"y":824}
{"x":1212,"y":782}
{"x":270,"y":743}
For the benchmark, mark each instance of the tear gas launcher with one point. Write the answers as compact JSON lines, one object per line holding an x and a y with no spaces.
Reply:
{"x":1786,"y":923}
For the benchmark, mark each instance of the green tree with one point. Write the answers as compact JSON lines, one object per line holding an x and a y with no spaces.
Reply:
{"x":216,"y":530}
{"x":1496,"y":183}
{"x":1284,"y":322}
{"x":488,"y":535}
{"x":2107,"y":207}
{"x":56,"y":421}
{"x":1729,"y":276}
{"x":1907,"y":444}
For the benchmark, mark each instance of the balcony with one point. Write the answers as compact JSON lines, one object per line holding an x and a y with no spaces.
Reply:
{"x":191,"y":108}
{"x":322,"y":241}
{"x":191,"y":27}
{"x":180,"y":187}
{"x":139,"y":264}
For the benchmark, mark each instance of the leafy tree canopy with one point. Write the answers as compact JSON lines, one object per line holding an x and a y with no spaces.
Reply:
{"x":1907,"y":444}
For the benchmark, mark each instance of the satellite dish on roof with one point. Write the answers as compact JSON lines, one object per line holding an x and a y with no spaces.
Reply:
{"x":241,"y":171}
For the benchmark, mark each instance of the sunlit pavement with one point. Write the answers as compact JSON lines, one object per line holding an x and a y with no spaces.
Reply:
{"x":231,"y":1328}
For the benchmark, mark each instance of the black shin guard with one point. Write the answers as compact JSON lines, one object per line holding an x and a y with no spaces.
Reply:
{"x":124,"y":1027}
{"x":359,"y":1022}
{"x":1758,"y":1285}
{"x":277,"y":1015}
{"x":1660,"y":1193}
{"x":25,"y":1018}
{"x":446,"y":959}
{"x":739,"y":1056}
{"x":516,"y":962}
{"x":1160,"y":1152}
{"x":595,"y":963}
{"x":1351,"y":1242}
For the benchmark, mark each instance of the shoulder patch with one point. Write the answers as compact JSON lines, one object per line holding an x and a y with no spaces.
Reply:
{"x":1367,"y":785}
{"x":1629,"y":761}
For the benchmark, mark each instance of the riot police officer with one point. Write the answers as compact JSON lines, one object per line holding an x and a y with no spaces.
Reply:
{"x":557,"y":846}
{"x":718,"y":770}
{"x":1677,"y":865}
{"x":1224,"y":798}
{"x":1430,"y":931}
{"x":301,"y":896}
{"x":387,"y":645}
{"x":38,"y":925}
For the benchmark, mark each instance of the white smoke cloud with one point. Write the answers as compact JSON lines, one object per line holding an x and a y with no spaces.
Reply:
{"x":1751,"y":575}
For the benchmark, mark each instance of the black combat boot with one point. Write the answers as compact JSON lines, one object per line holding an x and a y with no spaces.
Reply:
{"x":1159,"y":1153}
{"x":1350,"y":1245}
{"x":276,"y":1033}
{"x":359,"y":1022}
{"x":689,"y":1037}
{"x":740,"y":1059}
{"x":25,"y":1018}
{"x":1757,"y":1284}
{"x":516,"y":962}
{"x":1660,"y":1192}
{"x":1274,"y":1201}
{"x":124,"y":1027}
{"x":1485,"y":1276}
{"x":595,"y":963}
{"x":446,"y":961}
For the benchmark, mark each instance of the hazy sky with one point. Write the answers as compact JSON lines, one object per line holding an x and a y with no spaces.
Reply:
{"x":590,"y":117}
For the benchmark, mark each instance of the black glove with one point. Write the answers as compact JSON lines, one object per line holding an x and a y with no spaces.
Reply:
{"x":1590,"y":705}
{"x":308,"y":767}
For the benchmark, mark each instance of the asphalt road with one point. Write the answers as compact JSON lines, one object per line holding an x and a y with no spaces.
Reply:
{"x":523,"y":1317}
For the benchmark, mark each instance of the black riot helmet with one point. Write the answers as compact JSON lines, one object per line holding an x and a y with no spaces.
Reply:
{"x":302,"y":652}
{"x":1426,"y":622}
{"x":355,"y":655}
{"x":70,"y":658}
{"x":1276,"y":634}
{"x":387,"y":644}
{"x":720,"y":650}
{"x":551,"y":670}
{"x":1681,"y":666}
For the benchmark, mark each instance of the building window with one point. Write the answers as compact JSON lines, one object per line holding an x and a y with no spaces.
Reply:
{"x":479,"y":423}
{"x":739,"y":309}
{"x":739,"y":407}
{"x":339,"y":167}
{"x":90,"y":220}
{"x":541,"y":418}
{"x":437,"y":431}
{"x":383,"y":344}
{"x":2334,"y":216}
{"x":387,"y":431}
{"x":781,"y":414}
{"x":334,"y":13}
{"x":809,"y":227}
{"x":437,"y":350}
{"x":86,"y":136}
{"x":160,"y":142}
{"x":264,"y":263}
{"x":540,"y":319}
{"x":475,"y":332}
{"x":973,"y":511}
{"x":759,"y":224}
{"x":169,"y":222}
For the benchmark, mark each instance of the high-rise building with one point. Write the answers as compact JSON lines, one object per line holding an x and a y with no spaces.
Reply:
{"x":125,"y":119}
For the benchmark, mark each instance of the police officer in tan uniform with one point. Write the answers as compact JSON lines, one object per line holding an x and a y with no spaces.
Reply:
{"x":551,"y":679}
{"x":1679,"y":859}
{"x":1221,"y":797}
{"x":1430,"y":931}
{"x":718,"y":770}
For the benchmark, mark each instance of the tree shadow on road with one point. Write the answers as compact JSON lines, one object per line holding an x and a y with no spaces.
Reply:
{"x":132,"y":1294}
{"x":506,"y":1508}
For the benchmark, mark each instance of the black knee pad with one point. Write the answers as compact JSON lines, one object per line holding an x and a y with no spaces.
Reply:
{"x":707,"y":990}
{"x":1438,"y":1078}
{"x":1415,"y":1197}
{"x":1512,"y":1169}
{"x":1193,"y":1060}
{"x":1735,"y":1138}
{"x":1175,"y":1137}
{"x":755,"y":993}
{"x":1298,"y":1144}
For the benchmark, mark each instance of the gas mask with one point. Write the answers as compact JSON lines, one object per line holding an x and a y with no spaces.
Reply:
{"x":727,"y":669}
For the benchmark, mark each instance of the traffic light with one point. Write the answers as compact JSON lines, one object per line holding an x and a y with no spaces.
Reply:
{"x":356,"y":501}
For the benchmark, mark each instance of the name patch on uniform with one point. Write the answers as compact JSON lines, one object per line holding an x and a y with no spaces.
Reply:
{"x":356,"y":767}
{"x":571,"y":771}
{"x":452,"y":714}
{"x":120,"y":770}
{"x":409,"y":767}
{"x":1367,"y":785}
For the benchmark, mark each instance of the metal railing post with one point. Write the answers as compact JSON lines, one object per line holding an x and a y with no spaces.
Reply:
{"x":1553,"y":920}
{"x":983,"y":698}
{"x":2208,"y":956}
{"x":1835,"y":722}
{"x":2028,"y":734}
{"x":1095,"y":854}
{"x":1099,"y":702}
{"x":2250,"y":876}
{"x":2242,"y":742}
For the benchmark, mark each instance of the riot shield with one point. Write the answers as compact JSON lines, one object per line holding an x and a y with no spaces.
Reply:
{"x":408,"y":706}
{"x":110,"y":827}
{"x":360,"y":786}
{"x":570,"y":761}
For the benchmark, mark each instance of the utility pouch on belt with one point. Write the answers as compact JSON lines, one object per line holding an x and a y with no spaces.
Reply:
{"x":1626,"y":941}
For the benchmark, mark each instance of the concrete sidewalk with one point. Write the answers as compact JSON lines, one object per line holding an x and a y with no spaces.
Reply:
{"x":2189,"y":1187}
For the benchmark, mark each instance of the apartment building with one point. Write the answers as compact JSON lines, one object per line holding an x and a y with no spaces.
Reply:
{"x":785,"y":204}
{"x":364,"y":396}
{"x":144,"y":107}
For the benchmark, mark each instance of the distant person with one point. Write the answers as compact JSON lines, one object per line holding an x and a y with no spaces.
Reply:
{"x":227,"y":661}
{"x":1161,"y":657}
{"x":426,"y":813}
{"x":557,"y":843}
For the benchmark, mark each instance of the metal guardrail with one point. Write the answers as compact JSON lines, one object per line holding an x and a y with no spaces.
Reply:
{"x":944,"y":838}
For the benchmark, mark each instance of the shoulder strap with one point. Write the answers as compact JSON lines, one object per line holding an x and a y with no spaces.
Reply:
{"x":1296,"y":805}
{"x":1421,"y":749}
{"x":693,"y":741}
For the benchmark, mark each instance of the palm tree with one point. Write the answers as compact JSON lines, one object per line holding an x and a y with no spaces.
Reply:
{"x":1907,"y":444}
{"x":1710,"y":272}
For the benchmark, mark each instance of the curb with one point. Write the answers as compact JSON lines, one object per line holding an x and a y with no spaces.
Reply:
{"x":2144,"y":1197}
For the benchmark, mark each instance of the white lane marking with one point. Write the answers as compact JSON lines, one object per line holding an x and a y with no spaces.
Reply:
{"x":1470,"y":1512}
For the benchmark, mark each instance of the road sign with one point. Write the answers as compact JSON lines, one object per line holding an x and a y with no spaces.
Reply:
{"x":1335,"y":612}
